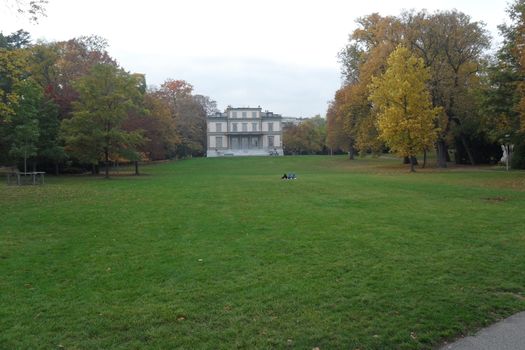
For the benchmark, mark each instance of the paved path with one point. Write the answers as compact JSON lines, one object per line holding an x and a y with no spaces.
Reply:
{"x":508,"y":334}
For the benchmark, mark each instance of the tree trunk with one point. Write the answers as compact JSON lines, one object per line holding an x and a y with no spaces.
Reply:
{"x":351,"y":152}
{"x":93,"y":169}
{"x":467,"y":149}
{"x":137,"y":167}
{"x":441,"y":153}
{"x":424,"y":158}
{"x":413,"y":161}
{"x":56,"y":168}
{"x":106,"y":154}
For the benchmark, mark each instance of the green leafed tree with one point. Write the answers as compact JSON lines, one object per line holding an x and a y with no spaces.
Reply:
{"x":406,"y":118}
{"x":50,"y":147}
{"x":95,"y":131}
{"x":25,"y":131}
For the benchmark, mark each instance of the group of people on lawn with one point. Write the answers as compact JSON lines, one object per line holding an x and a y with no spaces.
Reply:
{"x":290,"y":176}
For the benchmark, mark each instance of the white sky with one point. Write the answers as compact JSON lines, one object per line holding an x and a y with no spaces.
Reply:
{"x":279,"y":54}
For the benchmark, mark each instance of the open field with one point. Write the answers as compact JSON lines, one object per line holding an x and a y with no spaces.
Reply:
{"x":222,"y":254}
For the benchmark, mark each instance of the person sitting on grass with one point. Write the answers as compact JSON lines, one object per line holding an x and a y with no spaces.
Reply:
{"x":284,"y":177}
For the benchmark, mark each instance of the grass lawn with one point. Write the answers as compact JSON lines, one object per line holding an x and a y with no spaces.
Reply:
{"x":222,"y":254}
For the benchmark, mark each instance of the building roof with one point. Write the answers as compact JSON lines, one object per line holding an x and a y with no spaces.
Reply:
{"x":265,"y":114}
{"x":243,"y":108}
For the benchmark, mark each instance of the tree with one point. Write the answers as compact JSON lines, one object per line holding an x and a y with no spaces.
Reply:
{"x":50,"y":147}
{"x":334,"y":134}
{"x":95,"y":132}
{"x":308,"y":137}
{"x":25,"y":131}
{"x":504,"y":96}
{"x":451,"y":45}
{"x":512,"y":54}
{"x":189,"y":113}
{"x":57,"y":65}
{"x":13,"y":71}
{"x":158,"y":126}
{"x":364,"y":56}
{"x":17,"y":40}
{"x":406,"y":118}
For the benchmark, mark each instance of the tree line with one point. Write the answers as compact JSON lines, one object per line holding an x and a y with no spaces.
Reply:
{"x":426,"y":82}
{"x":308,"y":136}
{"x":68,"y":106}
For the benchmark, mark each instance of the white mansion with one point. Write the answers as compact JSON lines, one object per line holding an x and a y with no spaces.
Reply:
{"x":244,"y":132}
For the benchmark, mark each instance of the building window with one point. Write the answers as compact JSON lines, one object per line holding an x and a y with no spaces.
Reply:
{"x":270,"y":126}
{"x":234,"y":127}
{"x":254,"y":126}
{"x":234,"y":114}
{"x":218,"y":127}
{"x":218,"y":141}
{"x":244,"y":114}
{"x":270,"y":141}
{"x":254,"y":114}
{"x":244,"y":126}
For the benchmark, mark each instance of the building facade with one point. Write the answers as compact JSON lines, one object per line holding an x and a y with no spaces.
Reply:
{"x":244,"y":132}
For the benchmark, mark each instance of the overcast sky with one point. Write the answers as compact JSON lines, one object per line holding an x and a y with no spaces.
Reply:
{"x":279,"y":54}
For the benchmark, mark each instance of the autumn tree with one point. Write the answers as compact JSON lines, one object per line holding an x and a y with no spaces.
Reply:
{"x":342,"y":121}
{"x":106,"y":95}
{"x":351,"y":121}
{"x":57,"y":65}
{"x":308,"y":137}
{"x":189,"y":112}
{"x":335,"y":139}
{"x":406,"y":118}
{"x":158,"y":126}
{"x":77,"y":96}
{"x":451,"y":46}
{"x":13,"y":71}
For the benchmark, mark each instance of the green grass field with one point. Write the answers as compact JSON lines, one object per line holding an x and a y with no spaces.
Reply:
{"x":222,"y":254}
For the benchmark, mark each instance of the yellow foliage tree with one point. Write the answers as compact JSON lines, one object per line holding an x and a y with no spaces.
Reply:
{"x":13,"y":69}
{"x":406,"y":119}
